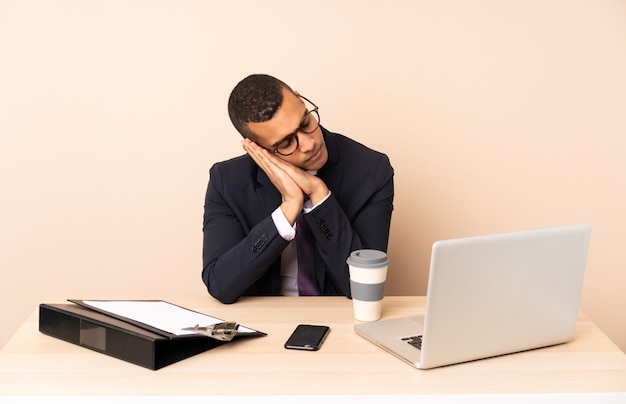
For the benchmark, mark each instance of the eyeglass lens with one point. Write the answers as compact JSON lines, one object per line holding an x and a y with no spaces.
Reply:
{"x":290,"y":144}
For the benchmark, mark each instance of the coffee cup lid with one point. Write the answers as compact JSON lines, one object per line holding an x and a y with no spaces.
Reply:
{"x":368,"y":258}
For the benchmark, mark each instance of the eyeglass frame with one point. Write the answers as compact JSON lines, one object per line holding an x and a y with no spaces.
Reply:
{"x":300,"y":129}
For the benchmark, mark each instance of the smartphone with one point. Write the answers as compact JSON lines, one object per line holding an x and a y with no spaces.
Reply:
{"x":307,"y":337}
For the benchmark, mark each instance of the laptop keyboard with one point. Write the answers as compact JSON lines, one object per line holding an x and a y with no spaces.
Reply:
{"x":415,"y":341}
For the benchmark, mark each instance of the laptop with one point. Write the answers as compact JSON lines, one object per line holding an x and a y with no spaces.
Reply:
{"x":492,"y":295}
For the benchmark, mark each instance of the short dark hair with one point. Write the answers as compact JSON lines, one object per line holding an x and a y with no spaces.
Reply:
{"x":255,"y":99}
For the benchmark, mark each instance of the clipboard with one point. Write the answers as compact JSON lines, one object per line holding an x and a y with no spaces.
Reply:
{"x":159,"y":316}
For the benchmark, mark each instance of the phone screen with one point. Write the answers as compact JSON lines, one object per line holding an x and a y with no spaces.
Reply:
{"x":307,"y":337}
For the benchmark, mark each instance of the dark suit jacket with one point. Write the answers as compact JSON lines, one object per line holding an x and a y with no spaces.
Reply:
{"x":242,"y":247}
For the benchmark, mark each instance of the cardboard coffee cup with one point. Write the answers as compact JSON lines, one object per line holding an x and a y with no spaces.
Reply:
{"x":368,"y":273}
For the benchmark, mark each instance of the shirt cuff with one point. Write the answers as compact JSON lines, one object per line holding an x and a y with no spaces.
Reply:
{"x":307,"y":207}
{"x":285,"y":229}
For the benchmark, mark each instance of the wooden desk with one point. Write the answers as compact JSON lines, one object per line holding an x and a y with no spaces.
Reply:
{"x":35,"y":364}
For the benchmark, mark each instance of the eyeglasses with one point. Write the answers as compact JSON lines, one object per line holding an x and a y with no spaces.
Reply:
{"x":309,"y":124}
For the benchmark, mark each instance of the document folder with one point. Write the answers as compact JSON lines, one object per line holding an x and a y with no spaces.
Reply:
{"x":121,"y":339}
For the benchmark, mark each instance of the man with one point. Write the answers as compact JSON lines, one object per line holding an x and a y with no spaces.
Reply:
{"x":294,"y":168}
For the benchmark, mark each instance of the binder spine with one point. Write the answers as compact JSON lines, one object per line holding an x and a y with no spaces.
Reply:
{"x":97,"y":336}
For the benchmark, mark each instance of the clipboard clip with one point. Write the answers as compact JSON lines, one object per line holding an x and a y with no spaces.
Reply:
{"x":225,"y":331}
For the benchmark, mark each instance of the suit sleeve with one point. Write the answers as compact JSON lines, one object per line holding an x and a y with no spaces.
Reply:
{"x":361,"y":219}
{"x":236,"y":251}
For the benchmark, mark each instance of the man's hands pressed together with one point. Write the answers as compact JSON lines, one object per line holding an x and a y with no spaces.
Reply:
{"x":292,"y":182}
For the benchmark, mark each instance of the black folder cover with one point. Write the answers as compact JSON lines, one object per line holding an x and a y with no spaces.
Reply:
{"x":117,"y":338}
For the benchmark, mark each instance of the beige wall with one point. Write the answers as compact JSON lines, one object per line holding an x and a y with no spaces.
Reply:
{"x":497,"y":116}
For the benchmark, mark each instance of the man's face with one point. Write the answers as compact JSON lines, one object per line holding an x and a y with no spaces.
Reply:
{"x":311,"y":153}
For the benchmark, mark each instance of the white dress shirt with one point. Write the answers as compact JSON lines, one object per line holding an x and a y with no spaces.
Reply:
{"x":289,"y":256}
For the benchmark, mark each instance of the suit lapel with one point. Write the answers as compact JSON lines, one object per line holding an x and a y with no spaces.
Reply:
{"x":331,"y":177}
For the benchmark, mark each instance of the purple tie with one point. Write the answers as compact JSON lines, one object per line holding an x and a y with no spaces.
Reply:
{"x":306,"y":269}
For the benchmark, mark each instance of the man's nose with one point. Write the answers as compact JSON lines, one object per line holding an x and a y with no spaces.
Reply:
{"x":306,"y":142}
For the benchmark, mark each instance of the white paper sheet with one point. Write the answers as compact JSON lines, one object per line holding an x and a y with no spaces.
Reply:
{"x":159,"y":314}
